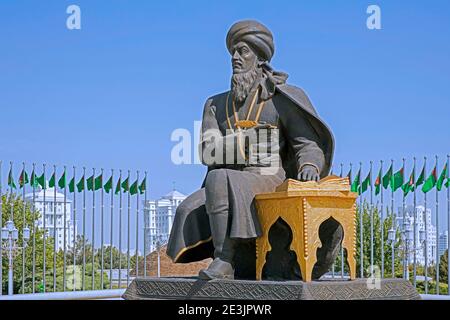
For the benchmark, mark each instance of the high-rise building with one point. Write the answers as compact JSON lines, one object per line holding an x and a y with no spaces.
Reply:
{"x":423,"y":222}
{"x":158,"y":219}
{"x":50,"y":216}
{"x":442,"y":243}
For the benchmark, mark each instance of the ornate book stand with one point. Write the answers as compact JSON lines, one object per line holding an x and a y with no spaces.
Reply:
{"x":304,"y":206}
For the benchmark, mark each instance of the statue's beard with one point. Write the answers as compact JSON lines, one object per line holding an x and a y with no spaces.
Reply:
{"x":242,"y":83}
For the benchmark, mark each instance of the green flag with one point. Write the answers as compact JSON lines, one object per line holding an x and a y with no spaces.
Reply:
{"x":90,"y":183}
{"x":430,"y":182}
{"x":125,"y":185}
{"x":143,"y":186}
{"x":365,"y":184}
{"x":33,"y":180}
{"x":51,"y":182}
{"x":98,"y":182}
{"x":108,"y":185}
{"x":421,"y":178}
{"x":62,"y":181}
{"x":134,"y":188}
{"x":409,"y":186}
{"x":11,"y":180}
{"x":441,"y":179}
{"x":447,"y":184}
{"x":80,"y":184}
{"x":356,"y":182}
{"x":378,"y":183}
{"x":387,"y":178}
{"x":23,"y":179}
{"x":117,"y":186}
{"x":41,"y":181}
{"x":397,"y":180}
{"x":72,"y":185}
{"x":93,"y":184}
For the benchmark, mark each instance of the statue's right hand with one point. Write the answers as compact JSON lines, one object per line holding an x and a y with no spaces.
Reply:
{"x":262,"y":125}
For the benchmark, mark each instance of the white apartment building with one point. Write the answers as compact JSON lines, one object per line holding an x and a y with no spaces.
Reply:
{"x":442,"y":243}
{"x":47,"y":205}
{"x":158,"y":219}
{"x":422,"y":217}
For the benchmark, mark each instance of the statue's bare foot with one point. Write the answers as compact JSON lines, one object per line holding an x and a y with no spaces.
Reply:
{"x":218,"y":269}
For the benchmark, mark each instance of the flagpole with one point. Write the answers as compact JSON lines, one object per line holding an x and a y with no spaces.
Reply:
{"x":405,"y":255}
{"x":382,"y":221}
{"x":101,"y":232}
{"x":1,"y":226}
{"x":146,"y":231}
{"x":120,"y":229}
{"x":93,"y":230}
{"x":33,"y":273}
{"x":415,"y":226}
{"x":74,"y":226}
{"x":54,"y":228}
{"x":111,"y":230}
{"x":342,"y":247}
{"x":437,"y":234}
{"x":371,"y":219}
{"x":342,"y":251}
{"x":45,"y":231}
{"x":23,"y":226}
{"x":128,"y":226}
{"x":11,"y":214}
{"x":448,"y":223}
{"x":65,"y":231}
{"x":137,"y":224}
{"x":393,"y":220}
{"x":83,"y":286}
{"x":426,"y":231}
{"x":11,"y":217}
{"x":361,"y":226}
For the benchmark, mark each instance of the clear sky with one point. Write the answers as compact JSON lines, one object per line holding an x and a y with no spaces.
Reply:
{"x":110,"y":95}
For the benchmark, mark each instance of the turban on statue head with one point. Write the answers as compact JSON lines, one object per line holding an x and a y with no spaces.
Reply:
{"x":256,"y":35}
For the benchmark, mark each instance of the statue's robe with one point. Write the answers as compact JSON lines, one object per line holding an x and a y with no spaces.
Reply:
{"x":303,"y":139}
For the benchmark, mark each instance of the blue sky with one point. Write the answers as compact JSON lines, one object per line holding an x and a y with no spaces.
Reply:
{"x":110,"y":95}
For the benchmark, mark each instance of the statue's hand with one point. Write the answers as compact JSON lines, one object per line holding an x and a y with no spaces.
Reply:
{"x":308,"y":173}
{"x":254,"y":130}
{"x":262,"y":125}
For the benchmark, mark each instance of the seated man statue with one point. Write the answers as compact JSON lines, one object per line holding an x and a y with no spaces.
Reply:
{"x":215,"y":219}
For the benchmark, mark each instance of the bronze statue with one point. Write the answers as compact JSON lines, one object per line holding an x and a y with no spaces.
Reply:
{"x":220,"y":219}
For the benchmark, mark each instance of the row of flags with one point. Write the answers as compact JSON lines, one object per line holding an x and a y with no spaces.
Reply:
{"x":396,"y":181}
{"x":92,"y":183}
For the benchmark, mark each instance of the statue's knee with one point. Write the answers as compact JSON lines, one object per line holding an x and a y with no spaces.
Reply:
{"x":184,"y":208}
{"x":214,"y":177}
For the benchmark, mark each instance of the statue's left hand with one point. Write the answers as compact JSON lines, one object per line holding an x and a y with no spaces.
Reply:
{"x":308,"y":173}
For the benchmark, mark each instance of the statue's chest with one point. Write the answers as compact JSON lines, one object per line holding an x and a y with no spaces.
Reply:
{"x":264,"y":113}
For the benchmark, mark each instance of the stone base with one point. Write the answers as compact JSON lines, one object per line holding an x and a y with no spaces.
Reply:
{"x":192,"y":288}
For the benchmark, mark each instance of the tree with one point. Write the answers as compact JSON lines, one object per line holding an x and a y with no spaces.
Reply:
{"x":31,"y":217}
{"x":19,"y":208}
{"x":367,"y":211}
{"x":443,"y":268}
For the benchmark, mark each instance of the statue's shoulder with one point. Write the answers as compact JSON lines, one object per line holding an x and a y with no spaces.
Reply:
{"x":292,"y":91}
{"x":297,"y":95}
{"x":218,"y":99}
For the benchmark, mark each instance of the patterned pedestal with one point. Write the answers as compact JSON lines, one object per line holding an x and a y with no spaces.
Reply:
{"x":191,"y":288}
